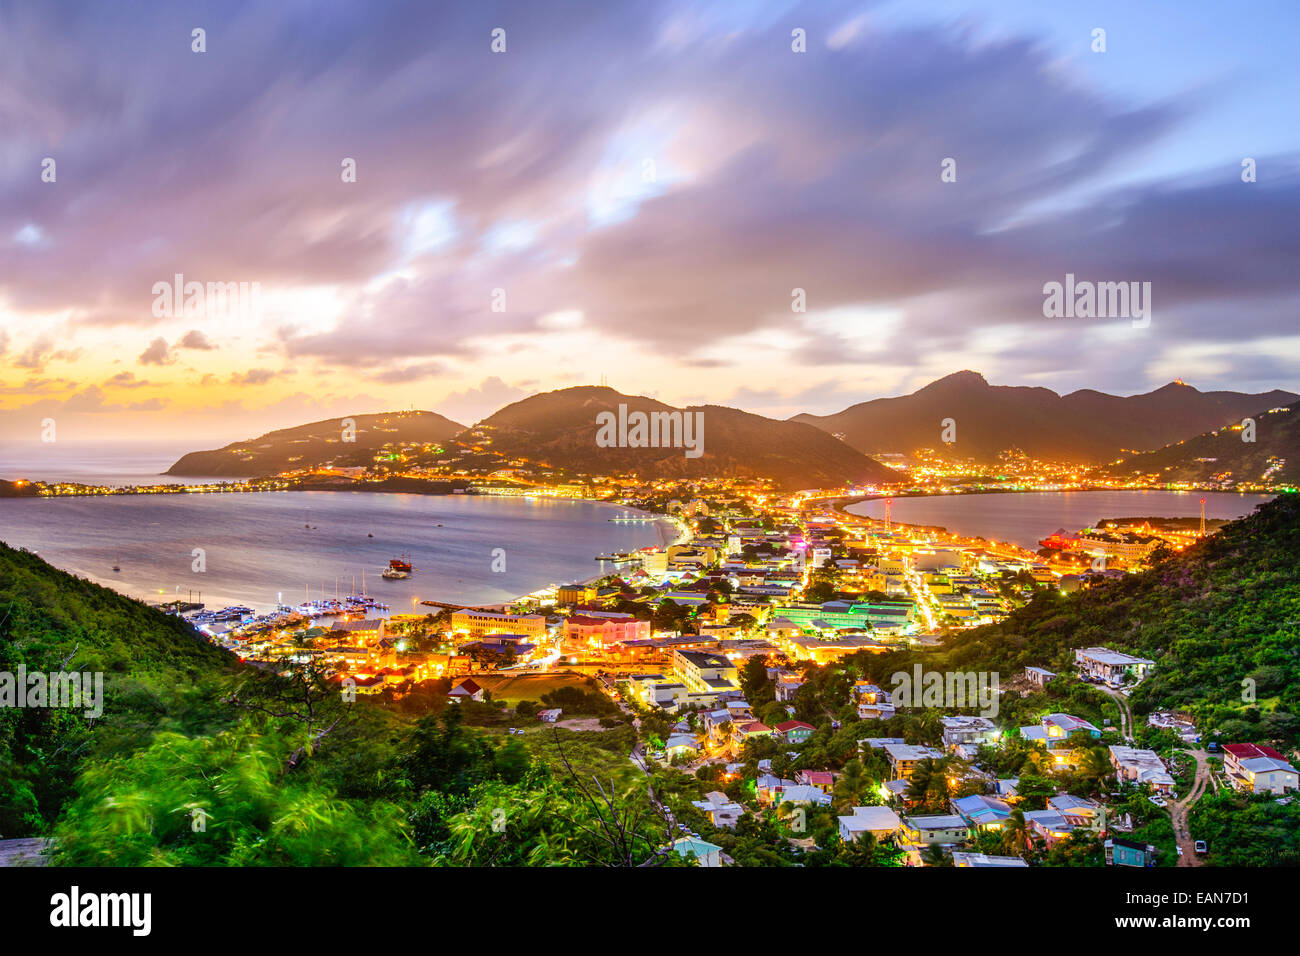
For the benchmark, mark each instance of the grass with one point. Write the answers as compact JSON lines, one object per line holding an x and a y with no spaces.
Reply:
{"x":513,"y":688}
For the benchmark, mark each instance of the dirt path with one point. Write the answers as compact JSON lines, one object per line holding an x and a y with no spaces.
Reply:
{"x":1125,"y":715}
{"x":1179,"y":809}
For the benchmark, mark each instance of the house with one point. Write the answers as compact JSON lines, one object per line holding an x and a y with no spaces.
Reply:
{"x":795,"y":731}
{"x":1129,"y":853}
{"x":1141,"y":766}
{"x":960,"y":859}
{"x":704,"y":852}
{"x":716,"y":724}
{"x":935,"y":828}
{"x":800,"y":794}
{"x":468,"y":689}
{"x":1079,"y":811}
{"x":874,"y":703}
{"x":665,"y":694}
{"x":1049,"y":824}
{"x":550,"y":715}
{"x":739,"y":710}
{"x":964,"y":735}
{"x":767,"y":787}
{"x":903,"y":758}
{"x":1054,"y":731}
{"x":787,"y":685}
{"x":981,"y":812}
{"x":880,"y":822}
{"x":1258,"y":769}
{"x":742,"y":732}
{"x":1038,"y":676}
{"x":721,"y":810}
{"x":1006,"y":789}
{"x":1113,"y":667}
{"x":823,"y":780}
{"x":682,"y":745}
{"x":897,"y":789}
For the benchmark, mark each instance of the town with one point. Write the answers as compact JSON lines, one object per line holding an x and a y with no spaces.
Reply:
{"x":749,"y":656}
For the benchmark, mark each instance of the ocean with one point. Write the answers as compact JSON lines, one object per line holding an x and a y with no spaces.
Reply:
{"x":1026,"y":518}
{"x":259,"y":549}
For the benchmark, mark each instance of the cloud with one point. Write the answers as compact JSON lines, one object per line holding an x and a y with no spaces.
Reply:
{"x":474,"y":404}
{"x":407,"y":373}
{"x":258,"y":376}
{"x":41,"y":352}
{"x":194,"y":339}
{"x":526,"y":173}
{"x":125,"y":380}
{"x":157,"y":353}
{"x":91,"y":401}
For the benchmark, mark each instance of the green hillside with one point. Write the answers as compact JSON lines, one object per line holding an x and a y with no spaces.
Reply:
{"x":1222,"y":455}
{"x":155,"y":673}
{"x":1224,"y":611}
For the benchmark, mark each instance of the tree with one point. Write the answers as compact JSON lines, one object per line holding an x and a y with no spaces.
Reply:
{"x":1015,"y":834}
{"x":1094,"y":768}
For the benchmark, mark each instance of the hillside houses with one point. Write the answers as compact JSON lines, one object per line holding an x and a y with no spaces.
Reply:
{"x":1141,"y":766}
{"x":1112,"y":667}
{"x":1258,"y":769}
{"x":880,"y":822}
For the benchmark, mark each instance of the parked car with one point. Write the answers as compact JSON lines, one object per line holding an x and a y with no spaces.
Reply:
{"x":1158,"y":801}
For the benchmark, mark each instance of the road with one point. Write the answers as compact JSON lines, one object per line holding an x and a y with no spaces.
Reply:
{"x":1178,"y":810}
{"x":1125,"y":715}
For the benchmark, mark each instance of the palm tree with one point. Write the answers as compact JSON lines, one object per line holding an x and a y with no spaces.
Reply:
{"x":933,"y":855}
{"x":1095,"y":767}
{"x":1015,"y":834}
{"x":852,"y":784}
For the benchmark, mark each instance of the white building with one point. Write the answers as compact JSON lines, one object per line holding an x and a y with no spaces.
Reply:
{"x":880,"y":822}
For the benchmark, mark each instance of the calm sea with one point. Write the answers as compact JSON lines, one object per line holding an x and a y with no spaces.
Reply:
{"x":1025,"y":519}
{"x":287,"y":546}
{"x":94,"y":463}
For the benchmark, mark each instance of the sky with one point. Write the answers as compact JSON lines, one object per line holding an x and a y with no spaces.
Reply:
{"x":630,"y":193}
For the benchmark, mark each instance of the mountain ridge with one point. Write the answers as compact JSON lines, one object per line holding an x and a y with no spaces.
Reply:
{"x":1084,"y":426}
{"x":316,"y":443}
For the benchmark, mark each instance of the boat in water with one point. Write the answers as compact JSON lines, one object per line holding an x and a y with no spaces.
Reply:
{"x":394,"y":574}
{"x":402,"y":563}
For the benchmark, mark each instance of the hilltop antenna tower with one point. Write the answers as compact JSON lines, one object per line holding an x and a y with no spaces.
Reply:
{"x":1202,"y":517}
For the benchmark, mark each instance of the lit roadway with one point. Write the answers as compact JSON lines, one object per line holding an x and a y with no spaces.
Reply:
{"x":921,"y":596}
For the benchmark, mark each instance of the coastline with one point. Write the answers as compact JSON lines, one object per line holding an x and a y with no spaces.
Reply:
{"x":232,"y":592}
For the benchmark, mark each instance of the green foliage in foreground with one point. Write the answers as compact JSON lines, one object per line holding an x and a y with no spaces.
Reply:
{"x":222,"y":800}
{"x":157,"y":675}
